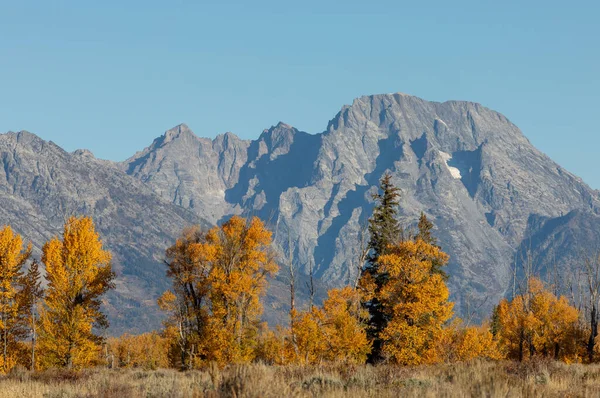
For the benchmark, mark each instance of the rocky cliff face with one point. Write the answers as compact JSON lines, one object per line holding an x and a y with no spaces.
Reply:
{"x":41,"y":185}
{"x":491,"y":194}
{"x":191,"y":172}
{"x":467,"y":167}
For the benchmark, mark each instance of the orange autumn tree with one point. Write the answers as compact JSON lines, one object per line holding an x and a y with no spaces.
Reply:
{"x":273,"y":345}
{"x":79,"y":272}
{"x":537,"y":323}
{"x":147,"y":351}
{"x":31,"y":294}
{"x":344,"y":321}
{"x":187,"y":305}
{"x":414,"y":298}
{"x":306,"y":343}
{"x":335,"y":332}
{"x":13,"y":319}
{"x":461,"y":343}
{"x":218,"y":279}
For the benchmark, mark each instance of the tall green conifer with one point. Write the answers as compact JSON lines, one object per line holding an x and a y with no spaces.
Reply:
{"x":385,"y":231}
{"x":424,"y":233}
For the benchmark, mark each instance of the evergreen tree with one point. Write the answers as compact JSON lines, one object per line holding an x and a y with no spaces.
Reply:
{"x":385,"y":231}
{"x":425,"y":226}
{"x":424,"y":233}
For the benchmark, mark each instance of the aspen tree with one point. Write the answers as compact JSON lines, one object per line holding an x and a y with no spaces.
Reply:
{"x":31,"y":296}
{"x":415,"y":300}
{"x":13,"y":325}
{"x":218,"y":279}
{"x":79,"y":272}
{"x":547,"y":326}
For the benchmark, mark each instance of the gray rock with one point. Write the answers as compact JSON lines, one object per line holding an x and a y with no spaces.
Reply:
{"x":490,"y":193}
{"x":189,"y":171}
{"x":41,"y":185}
{"x":467,"y":167}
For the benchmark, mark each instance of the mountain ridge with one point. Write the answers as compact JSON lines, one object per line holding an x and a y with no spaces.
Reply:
{"x":487,"y":189}
{"x":424,"y":144}
{"x":41,"y":185}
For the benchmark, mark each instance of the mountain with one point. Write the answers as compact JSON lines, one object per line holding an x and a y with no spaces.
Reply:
{"x":494,"y":198}
{"x":41,"y":185}
{"x":468,"y":168}
{"x":191,"y":172}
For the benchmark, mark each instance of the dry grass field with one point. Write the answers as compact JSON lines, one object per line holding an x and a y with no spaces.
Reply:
{"x":477,"y":379}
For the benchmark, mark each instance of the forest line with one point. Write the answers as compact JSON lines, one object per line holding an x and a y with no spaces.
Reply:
{"x":396,"y":312}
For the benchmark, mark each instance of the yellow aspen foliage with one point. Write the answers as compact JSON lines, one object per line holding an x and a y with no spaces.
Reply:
{"x":218,"y":279}
{"x":31,"y":294}
{"x":538,"y":323}
{"x":415,"y":299}
{"x":79,"y":272}
{"x":344,"y":329}
{"x":147,"y":351}
{"x":189,"y":265}
{"x":180,"y":329}
{"x":512,"y":325}
{"x":476,"y":342}
{"x":310,"y":344}
{"x":334,"y":333}
{"x":177,"y":331}
{"x":461,"y":344}
{"x":13,"y":321}
{"x":367,"y":287}
{"x":272,"y":346}
{"x":242,"y":260}
{"x":558,"y":322}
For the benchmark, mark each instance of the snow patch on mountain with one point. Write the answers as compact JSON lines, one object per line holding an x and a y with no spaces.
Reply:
{"x":453,"y":170}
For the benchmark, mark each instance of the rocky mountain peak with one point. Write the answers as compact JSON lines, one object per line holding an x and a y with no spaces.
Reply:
{"x":84,"y":153}
{"x":23,"y":137}
{"x":466,"y":166}
{"x":26,"y":142}
{"x":227,"y":140}
{"x":181,"y":131}
{"x":41,"y":185}
{"x":277,"y":140}
{"x":489,"y":192}
{"x":283,"y":125}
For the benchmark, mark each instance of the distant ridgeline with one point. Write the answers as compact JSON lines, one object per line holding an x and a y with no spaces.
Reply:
{"x":497,"y":203}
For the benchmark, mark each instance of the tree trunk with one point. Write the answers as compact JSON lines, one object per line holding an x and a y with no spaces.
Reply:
{"x":521,"y":344}
{"x":531,"y":347}
{"x":593,"y":333}
{"x":191,"y":359}
{"x":240,"y":322}
{"x":5,"y":343}
{"x":183,"y":358}
{"x":70,"y":356}
{"x":33,"y":337}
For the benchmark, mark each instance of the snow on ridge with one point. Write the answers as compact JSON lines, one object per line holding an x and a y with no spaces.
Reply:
{"x":443,"y":122}
{"x":454,"y":172}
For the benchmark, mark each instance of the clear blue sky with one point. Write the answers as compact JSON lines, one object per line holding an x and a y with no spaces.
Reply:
{"x":110,"y":76}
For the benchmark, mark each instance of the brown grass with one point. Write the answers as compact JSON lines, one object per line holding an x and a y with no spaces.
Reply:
{"x":477,"y":379}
